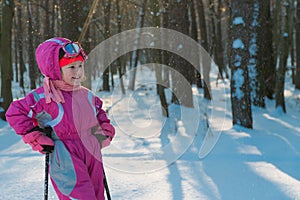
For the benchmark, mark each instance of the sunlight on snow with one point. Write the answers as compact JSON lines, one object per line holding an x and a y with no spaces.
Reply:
{"x":289,"y":185}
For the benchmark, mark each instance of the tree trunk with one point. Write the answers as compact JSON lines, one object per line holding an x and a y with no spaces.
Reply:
{"x":6,"y":52}
{"x":73,"y":17}
{"x":265,"y":56}
{"x":284,"y":52}
{"x":219,"y":49}
{"x":120,"y":60}
{"x":157,"y":58}
{"x":198,"y":39}
{"x":31,"y":55}
{"x":135,"y":53}
{"x":179,"y":21}
{"x":20,"y":43}
{"x":107,"y":6}
{"x":199,"y":5}
{"x":46,"y":21}
{"x":165,"y":55}
{"x":297,"y":74}
{"x":240,"y":91}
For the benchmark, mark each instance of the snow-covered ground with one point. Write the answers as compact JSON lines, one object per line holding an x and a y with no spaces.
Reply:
{"x":153,"y":157}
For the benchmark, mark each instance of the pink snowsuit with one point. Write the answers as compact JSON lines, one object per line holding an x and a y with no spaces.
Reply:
{"x":76,"y":167}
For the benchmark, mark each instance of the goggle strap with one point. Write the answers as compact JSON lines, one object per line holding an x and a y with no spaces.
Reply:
{"x":55,"y":40}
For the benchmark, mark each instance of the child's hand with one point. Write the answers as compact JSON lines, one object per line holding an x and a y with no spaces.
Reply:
{"x":104,"y":134}
{"x":39,"y":142}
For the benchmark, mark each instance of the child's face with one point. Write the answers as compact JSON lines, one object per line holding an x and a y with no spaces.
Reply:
{"x":73,"y":73}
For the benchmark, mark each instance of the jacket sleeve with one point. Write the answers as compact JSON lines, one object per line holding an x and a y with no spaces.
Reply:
{"x":20,"y":114}
{"x":107,"y":128}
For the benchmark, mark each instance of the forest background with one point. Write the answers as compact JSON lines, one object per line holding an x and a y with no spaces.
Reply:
{"x":250,"y":41}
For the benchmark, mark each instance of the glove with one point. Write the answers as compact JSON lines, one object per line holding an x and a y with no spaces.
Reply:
{"x":39,"y":142}
{"x":104,"y":134}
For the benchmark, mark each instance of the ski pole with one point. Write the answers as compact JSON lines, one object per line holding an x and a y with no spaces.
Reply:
{"x":106,"y":187}
{"x":46,"y":176}
{"x":47,"y":149}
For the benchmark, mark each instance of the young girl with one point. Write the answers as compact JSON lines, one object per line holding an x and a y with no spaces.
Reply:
{"x":80,"y":127}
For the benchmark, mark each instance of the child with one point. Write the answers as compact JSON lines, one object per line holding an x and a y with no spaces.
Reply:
{"x":80,"y":127}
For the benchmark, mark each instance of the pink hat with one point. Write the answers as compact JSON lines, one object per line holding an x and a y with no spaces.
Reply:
{"x":47,"y":57}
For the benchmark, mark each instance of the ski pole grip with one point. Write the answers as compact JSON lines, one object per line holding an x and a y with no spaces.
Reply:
{"x":47,"y":148}
{"x":47,"y":132}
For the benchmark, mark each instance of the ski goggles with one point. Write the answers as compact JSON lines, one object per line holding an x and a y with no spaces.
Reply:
{"x":71,"y":49}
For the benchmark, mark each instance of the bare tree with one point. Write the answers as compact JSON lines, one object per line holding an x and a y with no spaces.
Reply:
{"x":6,"y":52}
{"x":165,"y":56}
{"x":135,"y":54}
{"x":106,"y":34}
{"x":203,"y":40}
{"x":121,"y":60}
{"x":297,"y":74}
{"x":179,"y":21}
{"x":219,"y":49}
{"x":73,"y":17}
{"x":20,"y":43}
{"x":240,"y":91}
{"x":265,"y":66}
{"x":284,"y":52}
{"x":157,"y":58}
{"x":33,"y":71}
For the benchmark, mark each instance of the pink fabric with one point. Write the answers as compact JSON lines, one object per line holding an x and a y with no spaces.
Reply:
{"x":36,"y":139}
{"x":47,"y":58}
{"x":89,"y":173}
{"x":109,"y":130}
{"x":51,"y":92}
{"x":81,"y":111}
{"x":53,"y":89}
{"x":71,"y":122}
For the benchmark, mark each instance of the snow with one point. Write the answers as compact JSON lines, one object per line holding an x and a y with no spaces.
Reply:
{"x":238,"y":83}
{"x":238,"y":21}
{"x":238,"y":44}
{"x":237,"y":60}
{"x":153,"y":157}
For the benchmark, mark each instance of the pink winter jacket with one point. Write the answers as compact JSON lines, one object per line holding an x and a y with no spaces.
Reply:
{"x":80,"y":129}
{"x":81,"y":111}
{"x":79,"y":115}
